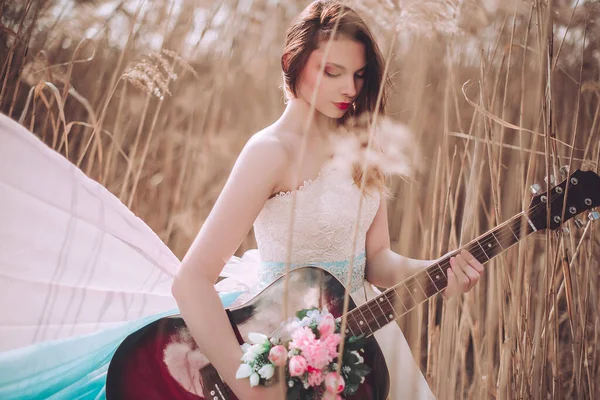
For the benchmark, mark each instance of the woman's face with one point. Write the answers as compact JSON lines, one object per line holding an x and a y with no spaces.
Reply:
{"x":343,"y":77}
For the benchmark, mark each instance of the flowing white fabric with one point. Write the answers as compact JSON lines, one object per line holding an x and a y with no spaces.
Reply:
{"x":74,"y":260}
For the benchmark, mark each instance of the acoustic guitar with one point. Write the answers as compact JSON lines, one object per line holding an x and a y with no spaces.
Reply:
{"x":140,"y":367}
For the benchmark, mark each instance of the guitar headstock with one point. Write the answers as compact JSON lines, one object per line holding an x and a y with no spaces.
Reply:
{"x":583,"y":195}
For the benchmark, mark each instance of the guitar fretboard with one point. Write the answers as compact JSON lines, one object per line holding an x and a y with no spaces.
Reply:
{"x":400,"y":299}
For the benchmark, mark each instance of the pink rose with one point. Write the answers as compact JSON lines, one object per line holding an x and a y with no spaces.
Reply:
{"x":315,"y":376}
{"x":331,"y":343}
{"x":301,"y":338}
{"x":278,"y":355}
{"x":327,"y":325}
{"x":297,"y":366}
{"x":334,"y":383}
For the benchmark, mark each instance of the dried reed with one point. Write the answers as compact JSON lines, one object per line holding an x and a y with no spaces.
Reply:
{"x":531,"y":328}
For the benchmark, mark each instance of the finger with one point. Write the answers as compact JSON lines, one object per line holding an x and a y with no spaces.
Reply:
{"x":471,"y":260}
{"x":452,"y":285}
{"x":473,"y":269}
{"x":462,"y":279}
{"x":470,"y":272}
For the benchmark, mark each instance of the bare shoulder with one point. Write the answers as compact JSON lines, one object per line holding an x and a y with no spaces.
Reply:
{"x":263,"y":162}
{"x":267,"y":147}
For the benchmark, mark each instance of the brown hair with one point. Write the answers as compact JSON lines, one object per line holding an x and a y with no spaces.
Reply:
{"x":315,"y":25}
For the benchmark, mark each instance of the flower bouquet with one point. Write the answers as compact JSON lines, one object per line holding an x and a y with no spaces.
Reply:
{"x":310,"y":358}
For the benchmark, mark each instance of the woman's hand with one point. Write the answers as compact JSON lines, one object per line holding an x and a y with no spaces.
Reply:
{"x":464,"y":273}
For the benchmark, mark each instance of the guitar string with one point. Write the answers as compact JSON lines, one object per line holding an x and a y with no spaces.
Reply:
{"x":493,"y":240}
{"x":416,"y":281}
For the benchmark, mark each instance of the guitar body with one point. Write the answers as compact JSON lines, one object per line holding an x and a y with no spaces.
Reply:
{"x":162,"y":361}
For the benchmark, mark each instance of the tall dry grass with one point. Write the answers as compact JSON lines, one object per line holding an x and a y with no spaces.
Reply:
{"x":155,"y":99}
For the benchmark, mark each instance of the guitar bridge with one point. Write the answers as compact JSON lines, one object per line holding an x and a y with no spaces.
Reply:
{"x":213,"y":386}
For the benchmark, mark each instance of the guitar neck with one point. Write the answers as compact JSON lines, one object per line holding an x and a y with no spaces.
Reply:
{"x":400,"y":299}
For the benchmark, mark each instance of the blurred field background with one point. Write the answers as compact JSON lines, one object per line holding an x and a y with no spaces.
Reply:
{"x":155,"y":99}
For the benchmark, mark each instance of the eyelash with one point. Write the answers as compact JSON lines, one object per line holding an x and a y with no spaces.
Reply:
{"x":329,"y":74}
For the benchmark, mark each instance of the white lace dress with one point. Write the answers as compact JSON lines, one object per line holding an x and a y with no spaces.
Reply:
{"x":325,"y":214}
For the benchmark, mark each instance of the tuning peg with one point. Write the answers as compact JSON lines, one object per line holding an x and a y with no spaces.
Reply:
{"x":535,"y":188}
{"x":565,"y":230}
{"x":594,"y":215}
{"x":564,"y":170}
{"x":578,"y":223}
{"x":552,"y":180}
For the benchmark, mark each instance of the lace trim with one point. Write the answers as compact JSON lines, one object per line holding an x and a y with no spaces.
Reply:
{"x":304,"y":185}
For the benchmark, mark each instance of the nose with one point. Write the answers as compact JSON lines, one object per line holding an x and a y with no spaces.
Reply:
{"x":349,"y":88}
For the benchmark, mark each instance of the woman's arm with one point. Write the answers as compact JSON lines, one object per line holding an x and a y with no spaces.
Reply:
{"x":255,"y":174}
{"x":385,"y":268}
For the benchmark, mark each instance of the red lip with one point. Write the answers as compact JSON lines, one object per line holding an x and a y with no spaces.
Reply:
{"x":342,"y":106}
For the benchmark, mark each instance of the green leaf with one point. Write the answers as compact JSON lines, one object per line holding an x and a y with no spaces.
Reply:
{"x":302,"y":313}
{"x":351,"y":388}
{"x":353,"y":379}
{"x":355,"y":343}
{"x":361,"y":374}
{"x":361,"y":369}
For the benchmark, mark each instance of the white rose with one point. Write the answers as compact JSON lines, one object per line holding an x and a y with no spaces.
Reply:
{"x":252,"y":352}
{"x":266,"y":371}
{"x":254,"y":379}
{"x":243,"y":371}
{"x":259,"y":348}
{"x":257,"y":338}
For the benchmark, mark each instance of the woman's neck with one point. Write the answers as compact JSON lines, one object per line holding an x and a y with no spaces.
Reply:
{"x":299,"y":117}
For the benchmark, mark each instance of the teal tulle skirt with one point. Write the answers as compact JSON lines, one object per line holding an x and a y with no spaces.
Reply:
{"x":69,"y":369}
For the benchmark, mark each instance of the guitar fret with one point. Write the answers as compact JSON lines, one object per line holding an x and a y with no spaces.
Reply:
{"x":387,"y":316}
{"x":507,"y":235}
{"x":409,"y":299}
{"x":356,"y":324}
{"x":392,"y":308}
{"x":399,"y":299}
{"x":437,"y":288}
{"x":379,"y":313}
{"x":497,"y":241}
{"x":424,"y":289}
{"x":483,"y":250}
{"x":442,"y":271}
{"x":368,"y":306}
{"x":513,"y":233}
{"x":415,"y":285}
{"x":382,"y":319}
{"x":349,"y":330}
{"x":517,"y":226}
{"x":363,"y":322}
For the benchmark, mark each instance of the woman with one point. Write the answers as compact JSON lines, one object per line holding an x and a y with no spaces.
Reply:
{"x":329,"y":46}
{"x":87,"y":273}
